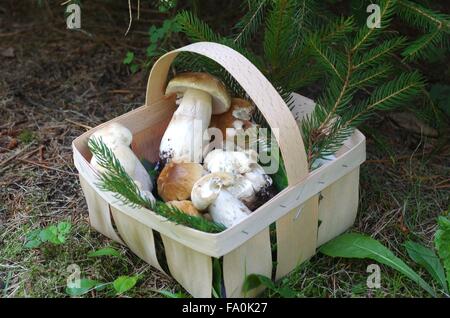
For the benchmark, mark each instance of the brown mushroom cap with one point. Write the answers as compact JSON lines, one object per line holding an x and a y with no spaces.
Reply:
{"x":239,"y":112}
{"x":185,"y":206}
{"x":177,"y":179}
{"x":242,"y":109}
{"x":221,"y":101}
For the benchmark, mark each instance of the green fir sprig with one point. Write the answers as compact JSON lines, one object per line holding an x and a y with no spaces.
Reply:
{"x":117,"y":181}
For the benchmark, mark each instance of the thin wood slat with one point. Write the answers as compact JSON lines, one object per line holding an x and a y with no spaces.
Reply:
{"x":342,"y":195}
{"x":138,"y":237}
{"x":193,"y":270}
{"x":297,"y":236}
{"x":252,"y":257}
{"x":99,"y":213}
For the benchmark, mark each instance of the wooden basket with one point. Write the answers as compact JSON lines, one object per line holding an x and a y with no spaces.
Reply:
{"x":314,"y":208}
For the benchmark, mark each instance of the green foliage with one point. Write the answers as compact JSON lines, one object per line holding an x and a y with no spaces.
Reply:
{"x":117,"y":181}
{"x":123,"y":284}
{"x":53,"y":234}
{"x":355,"y":61}
{"x":440,"y":95}
{"x":428,"y":259}
{"x":217,"y":278}
{"x":106,"y":251}
{"x":169,"y":294}
{"x":442,"y":243}
{"x":84,"y":286}
{"x":251,"y":21}
{"x":119,"y":286}
{"x":159,"y":37}
{"x":435,"y":24}
{"x":253,"y":281}
{"x":354,"y":245}
{"x":26,"y":136}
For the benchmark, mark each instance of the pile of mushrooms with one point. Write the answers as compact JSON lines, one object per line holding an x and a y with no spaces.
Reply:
{"x":222,"y":184}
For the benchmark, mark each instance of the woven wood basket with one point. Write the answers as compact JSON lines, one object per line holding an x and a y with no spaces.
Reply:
{"x":327,"y":196}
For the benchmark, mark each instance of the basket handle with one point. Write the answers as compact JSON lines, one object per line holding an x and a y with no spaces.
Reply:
{"x":258,"y":88}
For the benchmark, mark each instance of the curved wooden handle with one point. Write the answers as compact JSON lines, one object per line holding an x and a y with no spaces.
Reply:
{"x":259,"y":89}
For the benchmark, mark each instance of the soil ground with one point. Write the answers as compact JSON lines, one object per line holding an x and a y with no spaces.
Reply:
{"x":55,"y":83}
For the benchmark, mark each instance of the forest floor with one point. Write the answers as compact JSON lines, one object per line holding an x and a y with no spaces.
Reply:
{"x":55,"y":83}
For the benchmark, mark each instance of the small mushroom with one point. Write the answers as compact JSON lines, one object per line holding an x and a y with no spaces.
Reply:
{"x":176,"y":180}
{"x":247,"y":186}
{"x":236,"y":119}
{"x":210,"y":192}
{"x":118,"y":138}
{"x":185,"y":206}
{"x":201,"y":95}
{"x":249,"y":176}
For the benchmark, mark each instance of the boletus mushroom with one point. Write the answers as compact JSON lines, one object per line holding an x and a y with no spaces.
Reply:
{"x":210,"y":193}
{"x":249,"y":177}
{"x":236,"y":119}
{"x":176,"y":180}
{"x":185,"y":206}
{"x":118,"y":139}
{"x":199,"y":95}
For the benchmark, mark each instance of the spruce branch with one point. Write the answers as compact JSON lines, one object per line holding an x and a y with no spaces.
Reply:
{"x":280,"y":33}
{"x":390,"y":95}
{"x":117,"y":181}
{"x":423,"y":46}
{"x":367,"y":36}
{"x":327,"y":58}
{"x":370,"y":77}
{"x":421,"y":17}
{"x":376,"y":54}
{"x":251,"y":21}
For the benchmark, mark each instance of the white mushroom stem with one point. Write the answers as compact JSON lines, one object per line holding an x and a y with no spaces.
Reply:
{"x":118,"y":139}
{"x":227,"y":210}
{"x":246,"y":186}
{"x":183,"y":139}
